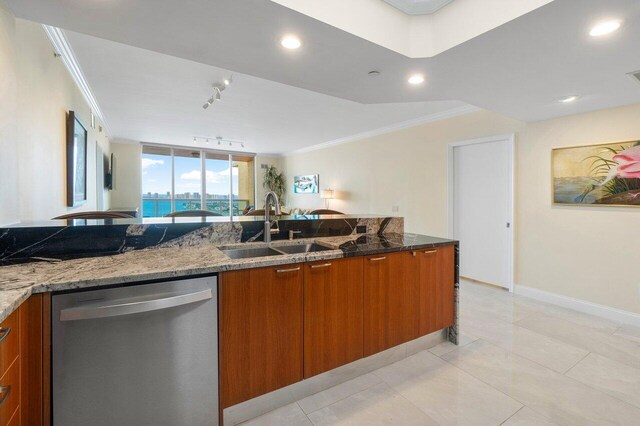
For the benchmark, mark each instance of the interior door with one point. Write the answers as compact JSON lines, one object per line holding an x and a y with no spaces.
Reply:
{"x":482,"y":209}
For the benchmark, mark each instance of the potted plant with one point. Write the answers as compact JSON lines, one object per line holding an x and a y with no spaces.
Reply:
{"x":274,"y":181}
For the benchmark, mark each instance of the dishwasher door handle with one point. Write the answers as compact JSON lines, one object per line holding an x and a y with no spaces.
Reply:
{"x":133,"y":306}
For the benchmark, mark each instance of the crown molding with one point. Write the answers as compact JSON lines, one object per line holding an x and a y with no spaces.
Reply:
{"x":454,"y":112}
{"x":63,"y":48}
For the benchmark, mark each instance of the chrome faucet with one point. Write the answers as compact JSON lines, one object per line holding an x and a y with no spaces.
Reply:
{"x":270,"y":199}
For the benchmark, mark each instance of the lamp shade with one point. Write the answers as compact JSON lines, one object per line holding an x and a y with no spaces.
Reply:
{"x":326,"y":194}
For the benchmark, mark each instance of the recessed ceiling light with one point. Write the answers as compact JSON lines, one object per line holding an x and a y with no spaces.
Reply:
{"x":374,"y":73}
{"x":416,"y":79}
{"x":604,"y":28}
{"x":290,"y":41}
{"x":569,"y":99}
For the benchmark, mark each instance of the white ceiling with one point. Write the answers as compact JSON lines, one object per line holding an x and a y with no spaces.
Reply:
{"x":414,"y":35}
{"x":151,"y":97}
{"x":519,"y":69}
{"x":418,"y":7}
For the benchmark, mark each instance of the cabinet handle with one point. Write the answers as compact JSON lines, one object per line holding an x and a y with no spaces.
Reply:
{"x":4,"y":332}
{"x":280,"y":271}
{"x":4,"y":393}
{"x":430,"y":251}
{"x":375,"y":259}
{"x":323,"y":265}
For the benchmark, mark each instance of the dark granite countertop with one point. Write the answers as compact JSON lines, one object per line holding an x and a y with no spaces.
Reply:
{"x":18,"y":282}
{"x":365,"y":245}
{"x":177,"y":220}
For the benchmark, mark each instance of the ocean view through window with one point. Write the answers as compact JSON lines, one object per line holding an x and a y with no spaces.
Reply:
{"x":173,"y":181}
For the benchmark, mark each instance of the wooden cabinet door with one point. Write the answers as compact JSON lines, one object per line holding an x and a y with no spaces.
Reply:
{"x":332,"y":314}
{"x":391,"y":301}
{"x":436,"y":283}
{"x":260,"y":314}
{"x":10,"y":392}
{"x":34,"y":354}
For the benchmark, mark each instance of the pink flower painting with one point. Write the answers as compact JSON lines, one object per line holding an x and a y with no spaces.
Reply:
{"x":607,"y":174}
{"x":628,"y":163}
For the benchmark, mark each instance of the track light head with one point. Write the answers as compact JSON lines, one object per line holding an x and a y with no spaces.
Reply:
{"x":206,"y":105}
{"x":217,"y":91}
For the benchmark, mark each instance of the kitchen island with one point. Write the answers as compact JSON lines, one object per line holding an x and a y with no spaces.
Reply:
{"x":303,"y":321}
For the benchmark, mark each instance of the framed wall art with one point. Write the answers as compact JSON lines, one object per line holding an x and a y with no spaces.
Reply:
{"x":76,"y":161}
{"x":307,"y":184}
{"x":603,"y":175}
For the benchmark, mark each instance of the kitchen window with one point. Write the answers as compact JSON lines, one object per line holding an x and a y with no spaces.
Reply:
{"x":179,"y":179}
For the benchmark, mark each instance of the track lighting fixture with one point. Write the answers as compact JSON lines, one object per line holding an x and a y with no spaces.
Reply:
{"x":217,"y":91}
{"x":205,"y":140}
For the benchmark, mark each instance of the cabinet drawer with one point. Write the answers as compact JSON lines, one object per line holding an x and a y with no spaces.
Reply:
{"x":9,"y":392}
{"x":9,"y":342}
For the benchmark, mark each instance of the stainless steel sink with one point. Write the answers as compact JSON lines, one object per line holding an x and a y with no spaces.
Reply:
{"x":251,"y":252}
{"x":274,"y":251}
{"x":302,"y":248}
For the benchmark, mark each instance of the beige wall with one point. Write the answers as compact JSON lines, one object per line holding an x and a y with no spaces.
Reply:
{"x":406,"y":168}
{"x":587,"y":253}
{"x":46,"y":92}
{"x":36,"y":91}
{"x":9,"y":200}
{"x":127,"y":185}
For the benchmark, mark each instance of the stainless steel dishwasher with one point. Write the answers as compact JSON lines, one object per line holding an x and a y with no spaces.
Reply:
{"x":138,"y":355}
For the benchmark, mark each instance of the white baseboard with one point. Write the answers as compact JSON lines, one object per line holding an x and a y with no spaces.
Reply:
{"x":613,"y":314}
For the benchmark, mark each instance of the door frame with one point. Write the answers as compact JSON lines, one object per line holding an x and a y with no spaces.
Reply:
{"x":510,"y":140}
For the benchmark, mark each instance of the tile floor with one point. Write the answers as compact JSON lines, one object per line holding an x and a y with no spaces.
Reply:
{"x":520,"y":362}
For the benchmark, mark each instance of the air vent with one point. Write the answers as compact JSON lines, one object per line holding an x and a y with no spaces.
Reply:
{"x":635,"y":76}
